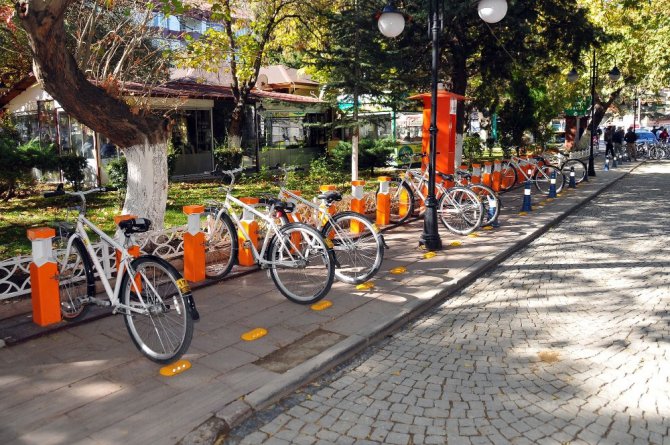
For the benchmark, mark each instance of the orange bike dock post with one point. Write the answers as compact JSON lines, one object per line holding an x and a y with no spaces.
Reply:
{"x":357,"y":203}
{"x":496,"y":177}
{"x":486,"y":175}
{"x":476,"y":173}
{"x":383,"y":217}
{"x":245,"y":255}
{"x":44,"y":277}
{"x":194,"y":244}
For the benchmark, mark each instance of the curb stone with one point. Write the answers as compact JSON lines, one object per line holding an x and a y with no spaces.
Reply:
{"x":236,"y":412}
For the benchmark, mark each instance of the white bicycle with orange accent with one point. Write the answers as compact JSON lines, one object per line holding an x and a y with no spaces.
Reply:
{"x":298,"y":258}
{"x":460,"y":210}
{"x":152,"y":295}
{"x":358,"y":243}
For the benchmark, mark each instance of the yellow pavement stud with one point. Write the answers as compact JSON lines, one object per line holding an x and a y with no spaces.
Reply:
{"x":321,"y":305}
{"x":254,"y":334}
{"x":487,"y":228}
{"x":398,"y":270}
{"x":523,"y":213}
{"x":550,"y":199}
{"x":455,"y":244}
{"x":366,"y":286}
{"x":473,"y":235}
{"x":429,"y":255}
{"x":175,"y":368}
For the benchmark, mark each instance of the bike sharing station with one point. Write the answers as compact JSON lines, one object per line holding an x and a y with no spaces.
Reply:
{"x":44,"y":270}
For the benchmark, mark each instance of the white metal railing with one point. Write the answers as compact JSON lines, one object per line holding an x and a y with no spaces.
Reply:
{"x":167,"y":244}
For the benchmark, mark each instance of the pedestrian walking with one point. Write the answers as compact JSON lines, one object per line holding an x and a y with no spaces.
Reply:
{"x":609,"y":140}
{"x":630,"y":137}
{"x":663,"y":135}
{"x":617,"y":139}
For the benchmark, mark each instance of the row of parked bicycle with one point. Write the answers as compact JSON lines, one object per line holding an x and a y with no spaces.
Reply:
{"x":304,"y":245}
{"x":653,"y":150}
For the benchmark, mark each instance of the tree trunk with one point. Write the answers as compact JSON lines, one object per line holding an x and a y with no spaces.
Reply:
{"x":236,"y":123}
{"x":57,"y":69}
{"x":146,"y":195}
{"x":460,"y":85}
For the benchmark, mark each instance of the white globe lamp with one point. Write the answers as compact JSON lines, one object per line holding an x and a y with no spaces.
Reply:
{"x":492,"y":11}
{"x":391,"y":23}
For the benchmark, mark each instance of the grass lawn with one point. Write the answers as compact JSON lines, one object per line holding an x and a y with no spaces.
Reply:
{"x":33,"y":210}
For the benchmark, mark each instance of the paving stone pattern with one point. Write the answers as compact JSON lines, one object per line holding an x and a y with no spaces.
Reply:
{"x":566,"y":342}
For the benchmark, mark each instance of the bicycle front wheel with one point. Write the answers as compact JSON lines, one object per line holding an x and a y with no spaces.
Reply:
{"x":460,"y":210}
{"x":402,"y":202}
{"x":358,"y":246}
{"x":220,"y":245}
{"x":578,"y":165}
{"x":302,"y":265}
{"x":76,"y":283}
{"x":490,"y":201}
{"x":157,"y":315}
{"x":542,"y":179}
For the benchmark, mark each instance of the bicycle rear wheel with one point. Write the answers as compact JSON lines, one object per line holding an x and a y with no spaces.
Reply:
{"x":161,"y":324}
{"x":460,"y":210}
{"x":580,"y":169}
{"x":220,"y":245}
{"x":358,"y":246}
{"x":509,"y":176}
{"x":76,"y":283}
{"x":302,"y":265}
{"x":542,"y":179}
{"x":490,"y":201}
{"x":402,"y":202}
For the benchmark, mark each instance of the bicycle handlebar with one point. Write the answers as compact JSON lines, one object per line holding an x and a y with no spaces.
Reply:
{"x":60,"y":192}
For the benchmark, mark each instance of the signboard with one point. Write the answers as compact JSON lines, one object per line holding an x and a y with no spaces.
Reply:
{"x":579,"y":107}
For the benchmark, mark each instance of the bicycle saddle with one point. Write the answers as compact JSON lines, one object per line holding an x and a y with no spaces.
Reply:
{"x":135,"y":225}
{"x":278,"y":204}
{"x":445,"y":176}
{"x":330,"y":196}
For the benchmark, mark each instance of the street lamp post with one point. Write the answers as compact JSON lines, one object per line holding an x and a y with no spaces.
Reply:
{"x":614,"y":75}
{"x":391,"y":24}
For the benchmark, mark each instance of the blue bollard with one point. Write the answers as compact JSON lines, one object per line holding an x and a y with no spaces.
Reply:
{"x":526,"y":206}
{"x":607,"y":164}
{"x":573,"y":183}
{"x":552,"y":184}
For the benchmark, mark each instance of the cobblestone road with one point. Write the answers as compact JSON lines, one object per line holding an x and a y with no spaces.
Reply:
{"x":567,"y":342}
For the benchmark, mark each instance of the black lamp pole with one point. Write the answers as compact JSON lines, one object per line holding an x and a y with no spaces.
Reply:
{"x":430,"y":238}
{"x":594,"y":74}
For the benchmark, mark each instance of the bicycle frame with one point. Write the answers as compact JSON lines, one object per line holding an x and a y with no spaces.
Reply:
{"x":520,"y":165}
{"x":124,"y":263}
{"x":273,"y":230}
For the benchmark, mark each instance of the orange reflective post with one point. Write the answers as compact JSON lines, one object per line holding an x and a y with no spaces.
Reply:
{"x":44,"y":277}
{"x":383,"y":202}
{"x":194,"y":244}
{"x":357,"y":203}
{"x":245,"y":255}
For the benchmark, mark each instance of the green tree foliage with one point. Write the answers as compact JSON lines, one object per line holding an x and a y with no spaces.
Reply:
{"x":252,"y":29}
{"x":17,"y":161}
{"x":635,"y":37}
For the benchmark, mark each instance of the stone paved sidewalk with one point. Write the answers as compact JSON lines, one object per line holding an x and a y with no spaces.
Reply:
{"x":88,"y":384}
{"x":565,"y":342}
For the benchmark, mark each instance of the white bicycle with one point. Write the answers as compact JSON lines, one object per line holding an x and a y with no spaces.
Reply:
{"x":149,"y":292}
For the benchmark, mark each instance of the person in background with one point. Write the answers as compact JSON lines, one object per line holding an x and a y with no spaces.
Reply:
{"x":609,"y":144}
{"x":630,"y":137}
{"x":617,"y":139}
{"x":663,"y":134}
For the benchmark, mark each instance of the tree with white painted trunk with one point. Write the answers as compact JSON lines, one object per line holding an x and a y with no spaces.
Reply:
{"x":141,"y":135}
